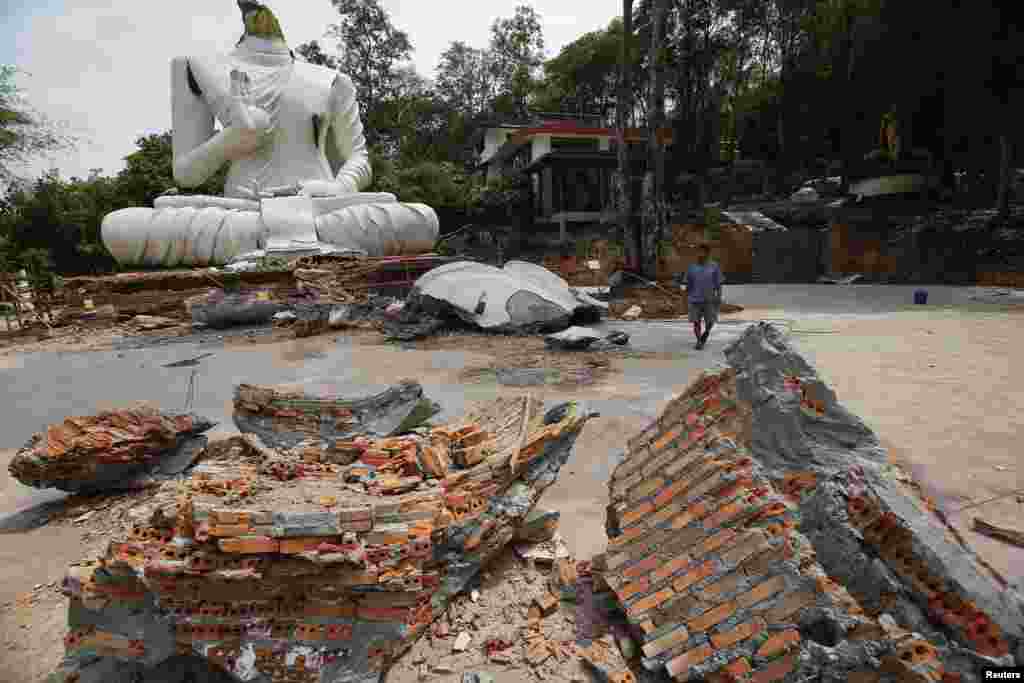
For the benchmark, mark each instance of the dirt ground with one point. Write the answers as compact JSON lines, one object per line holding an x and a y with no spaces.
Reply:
{"x":938,"y":385}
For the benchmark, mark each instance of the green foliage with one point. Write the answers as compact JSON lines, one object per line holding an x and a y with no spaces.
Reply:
{"x":584,"y":75}
{"x":24,"y":133}
{"x":371,"y":51}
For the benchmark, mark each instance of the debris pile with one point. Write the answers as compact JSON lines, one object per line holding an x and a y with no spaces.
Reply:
{"x":115,"y":449}
{"x":327,"y":572}
{"x":285,"y":418}
{"x":757,"y":533}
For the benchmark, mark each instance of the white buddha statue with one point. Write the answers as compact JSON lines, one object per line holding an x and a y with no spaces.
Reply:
{"x":292,"y":134}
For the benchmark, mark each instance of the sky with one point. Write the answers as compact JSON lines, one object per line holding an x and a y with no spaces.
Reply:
{"x":102,"y":68}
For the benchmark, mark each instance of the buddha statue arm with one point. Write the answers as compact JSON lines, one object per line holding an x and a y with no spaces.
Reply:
{"x":347,"y":136}
{"x":198,"y":150}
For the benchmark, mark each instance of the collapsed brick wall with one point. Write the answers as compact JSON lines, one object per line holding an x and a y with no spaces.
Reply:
{"x":326,"y":574}
{"x":757,"y":534}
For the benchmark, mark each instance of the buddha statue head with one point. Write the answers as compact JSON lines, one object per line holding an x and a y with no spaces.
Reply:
{"x":259,"y":21}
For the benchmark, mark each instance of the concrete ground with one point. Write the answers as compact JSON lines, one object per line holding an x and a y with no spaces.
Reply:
{"x":936,"y":382}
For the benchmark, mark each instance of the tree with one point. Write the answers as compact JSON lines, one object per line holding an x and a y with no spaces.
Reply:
{"x":583,"y":77}
{"x":623,"y":181}
{"x":24,"y":133}
{"x":466,"y":79}
{"x":517,"y":45}
{"x":372,"y":52}
{"x":654,"y":216}
{"x":313,"y":53}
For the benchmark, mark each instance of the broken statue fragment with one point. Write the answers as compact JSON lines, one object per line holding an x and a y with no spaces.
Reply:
{"x":520,"y":297}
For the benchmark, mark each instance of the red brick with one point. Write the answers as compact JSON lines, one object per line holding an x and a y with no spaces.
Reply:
{"x":792,"y":603}
{"x":249,"y":545}
{"x":666,"y":642}
{"x":719,"y":589}
{"x":650,"y":602}
{"x":683,"y":541}
{"x":706,"y":486}
{"x":737,"y":668}
{"x":761,"y":562}
{"x":646,"y":488}
{"x":715,"y":542}
{"x":688,"y":660}
{"x":636,"y":588}
{"x":627,"y":536}
{"x":747,"y":629}
{"x":776,"y":670}
{"x":712,"y":617}
{"x":642,"y":567}
{"x":636,"y":513}
{"x":693,"y":513}
{"x":665,"y":439}
{"x":293,"y":546}
{"x":227,"y":530}
{"x":678,"y":564}
{"x":693,"y":576}
{"x":750,"y":543}
{"x":779,"y":643}
{"x":762,"y":591}
{"x":723,"y":515}
{"x":665,"y":513}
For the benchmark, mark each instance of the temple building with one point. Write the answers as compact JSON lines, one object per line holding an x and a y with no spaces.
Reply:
{"x":569,"y":159}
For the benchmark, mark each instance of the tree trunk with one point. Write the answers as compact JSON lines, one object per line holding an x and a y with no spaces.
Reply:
{"x":623,"y":178}
{"x":1003,"y":200}
{"x":653,"y":219}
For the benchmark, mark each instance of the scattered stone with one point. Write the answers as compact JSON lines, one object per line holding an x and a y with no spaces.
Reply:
{"x":632,"y":313}
{"x":461,"y":642}
{"x":546,"y":604}
{"x":474,"y":596}
{"x":545,"y":553}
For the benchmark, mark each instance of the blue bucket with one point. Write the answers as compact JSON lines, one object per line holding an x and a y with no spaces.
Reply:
{"x":921,"y":296}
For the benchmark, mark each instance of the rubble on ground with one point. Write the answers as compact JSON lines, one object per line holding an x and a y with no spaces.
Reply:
{"x":520,"y":297}
{"x":111,"y":450}
{"x":219,"y":309}
{"x":578,"y":338}
{"x":757,"y":532}
{"x":286,"y":566}
{"x":285,"y":417}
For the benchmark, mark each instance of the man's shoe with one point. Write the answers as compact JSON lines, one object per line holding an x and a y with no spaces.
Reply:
{"x":699,"y":345}
{"x":704,"y":339}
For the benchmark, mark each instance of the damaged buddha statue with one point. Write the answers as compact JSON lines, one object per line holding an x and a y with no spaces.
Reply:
{"x":292,"y":134}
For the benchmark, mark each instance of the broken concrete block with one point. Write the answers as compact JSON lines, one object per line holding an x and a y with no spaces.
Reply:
{"x":284,"y":590}
{"x":738,"y":548}
{"x":284,"y":417}
{"x":111,"y":450}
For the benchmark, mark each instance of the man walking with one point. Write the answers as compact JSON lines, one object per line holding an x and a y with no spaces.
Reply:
{"x":704,"y":294}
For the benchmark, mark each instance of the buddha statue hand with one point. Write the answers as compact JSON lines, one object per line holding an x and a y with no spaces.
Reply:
{"x":250,"y":128}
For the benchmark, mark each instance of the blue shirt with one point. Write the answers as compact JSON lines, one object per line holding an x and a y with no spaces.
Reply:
{"x":702,"y":282}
